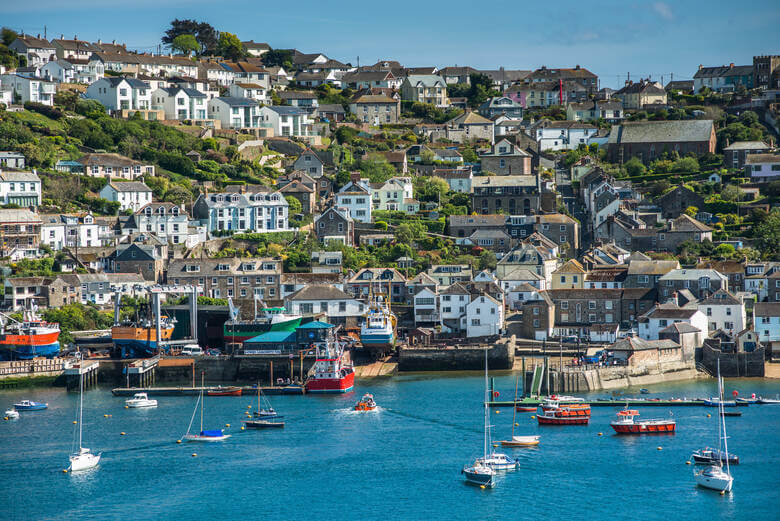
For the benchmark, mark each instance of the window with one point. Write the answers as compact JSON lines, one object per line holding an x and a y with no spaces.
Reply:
{"x":565,"y":304}
{"x":591,"y":304}
{"x":709,"y":312}
{"x":662,"y":323}
{"x":474,"y":321}
{"x":342,"y":307}
{"x":536,"y":311}
{"x":536,"y":322}
{"x":728,"y":312}
{"x":592,"y":317}
{"x":230,"y":280}
{"x":608,"y":317}
{"x":608,"y":304}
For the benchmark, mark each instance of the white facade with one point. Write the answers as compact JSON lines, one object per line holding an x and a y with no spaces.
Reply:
{"x":62,"y":71}
{"x":356,"y":198}
{"x":70,"y":231}
{"x":287,"y":121}
{"x":763,"y":167}
{"x":180,"y":104}
{"x":166,"y":221}
{"x":116,"y":93}
{"x":563,"y":137}
{"x":341,"y":308}
{"x":235,"y":112}
{"x":392,"y":193}
{"x":253,"y":91}
{"x":425,"y":306}
{"x":649,"y":328}
{"x":129,"y":197}
{"x":484,"y":317}
{"x":766,"y":321}
{"x":728,"y":317}
{"x":29,"y":89}
{"x":22,"y":188}
{"x":252,"y":212}
{"x":452,"y":306}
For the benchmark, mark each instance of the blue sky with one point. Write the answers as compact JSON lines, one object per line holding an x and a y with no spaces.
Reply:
{"x":611,"y":37}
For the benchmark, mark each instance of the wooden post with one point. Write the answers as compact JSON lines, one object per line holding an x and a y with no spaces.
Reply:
{"x":272,"y":373}
{"x":291,"y":368}
{"x":301,"y":368}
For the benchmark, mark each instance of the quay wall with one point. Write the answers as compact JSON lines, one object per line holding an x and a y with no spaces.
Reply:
{"x":466,"y":357}
{"x":733,"y":365}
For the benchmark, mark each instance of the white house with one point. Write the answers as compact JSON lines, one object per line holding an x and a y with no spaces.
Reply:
{"x":763,"y":167}
{"x":60,"y":231}
{"x":21,"y":188}
{"x":36,"y":50}
{"x":166,"y":221}
{"x":253,"y":91}
{"x":120,"y":93}
{"x":310,"y":163}
{"x":64,"y":71}
{"x":664,"y":315}
{"x":484,"y":317}
{"x":723,"y":311}
{"x":426,"y":307}
{"x":215,"y":72}
{"x":287,"y":121}
{"x":325,"y":298}
{"x":180,"y":103}
{"x":260,"y":211}
{"x":766,"y":321}
{"x":452,"y":306}
{"x":29,"y":89}
{"x":562,"y":135}
{"x":131,"y":195}
{"x":355,"y":197}
{"x":235,"y":112}
{"x":391,"y":194}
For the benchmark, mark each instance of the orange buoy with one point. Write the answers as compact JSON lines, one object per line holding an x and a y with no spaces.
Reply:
{"x":194,"y":454}
{"x":178,"y":441}
{"x":687,"y":462}
{"x":121,"y":433}
{"x":660,"y":448}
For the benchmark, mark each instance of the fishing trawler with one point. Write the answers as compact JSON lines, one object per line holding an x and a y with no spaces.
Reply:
{"x":139,"y":339}
{"x":28,"y":339}
{"x":378,"y":329}
{"x":330,"y":374}
{"x":265,"y":319}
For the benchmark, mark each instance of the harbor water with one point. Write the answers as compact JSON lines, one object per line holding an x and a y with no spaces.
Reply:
{"x":400,"y":462}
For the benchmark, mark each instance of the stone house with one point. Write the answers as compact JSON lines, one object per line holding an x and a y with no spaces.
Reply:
{"x":648,"y":140}
{"x":304,"y":194}
{"x":513,"y":194}
{"x":636,"y":96}
{"x":645,"y":273}
{"x":425,"y":88}
{"x":242,"y":279}
{"x":309,"y":163}
{"x":734,"y":155}
{"x":506,"y":158}
{"x":376,"y":109}
{"x":577,"y":309}
{"x":538,"y":317}
{"x":676,"y":201}
{"x":466,"y":127}
{"x":335,"y":224}
{"x":378,"y":281}
{"x":701,"y":282}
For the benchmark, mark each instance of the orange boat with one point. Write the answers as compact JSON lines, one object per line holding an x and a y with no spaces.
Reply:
{"x":626,"y":424}
{"x":366,"y":403}
{"x":564,"y":410}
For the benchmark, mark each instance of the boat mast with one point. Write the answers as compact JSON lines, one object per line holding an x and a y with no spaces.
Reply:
{"x":81,"y":399}
{"x":485,"y":444}
{"x":723,"y":420}
{"x":514,"y":404}
{"x":202,"y":401}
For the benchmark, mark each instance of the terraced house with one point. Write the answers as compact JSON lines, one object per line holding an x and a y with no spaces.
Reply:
{"x":237,"y":278}
{"x":260,"y":210}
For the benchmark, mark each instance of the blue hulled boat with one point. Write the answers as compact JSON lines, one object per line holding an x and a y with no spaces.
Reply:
{"x":29,"y":405}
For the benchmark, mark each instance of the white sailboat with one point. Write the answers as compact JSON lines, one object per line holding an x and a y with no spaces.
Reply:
{"x":519,"y":441}
{"x":714,"y":476}
{"x":203,"y":435}
{"x":83,"y":459}
{"x":479,"y":473}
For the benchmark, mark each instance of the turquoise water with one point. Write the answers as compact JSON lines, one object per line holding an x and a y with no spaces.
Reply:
{"x":400,"y":463}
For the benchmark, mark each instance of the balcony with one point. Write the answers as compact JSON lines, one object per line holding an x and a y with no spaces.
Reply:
{"x":422,"y":316}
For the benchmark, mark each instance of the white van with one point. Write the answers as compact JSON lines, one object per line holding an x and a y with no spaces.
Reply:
{"x":191,"y":350}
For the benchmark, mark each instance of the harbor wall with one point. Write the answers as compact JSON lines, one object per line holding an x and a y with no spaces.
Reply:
{"x":610,"y":378}
{"x":464,"y":357}
{"x":733,"y":365}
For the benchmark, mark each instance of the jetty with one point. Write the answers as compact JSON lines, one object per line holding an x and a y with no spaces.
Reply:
{"x":249,"y":390}
{"x":598,"y":402}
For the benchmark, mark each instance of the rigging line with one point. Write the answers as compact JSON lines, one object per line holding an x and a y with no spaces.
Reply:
{"x":193,"y":416}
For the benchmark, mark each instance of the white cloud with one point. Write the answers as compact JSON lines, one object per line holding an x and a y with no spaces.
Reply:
{"x":663,"y":10}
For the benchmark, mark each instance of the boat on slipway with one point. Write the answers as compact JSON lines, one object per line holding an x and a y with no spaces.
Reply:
{"x":28,"y":339}
{"x":378,"y":330}
{"x":236,"y":331}
{"x":330,"y":374}
{"x":627,"y":424}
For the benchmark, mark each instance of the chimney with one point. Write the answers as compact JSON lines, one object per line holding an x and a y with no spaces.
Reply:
{"x":700,"y":66}
{"x":62,"y":37}
{"x":731,"y":65}
{"x":577,"y":67}
{"x":39,"y":35}
{"x":99,"y":41}
{"x":75,"y":37}
{"x":354,"y":177}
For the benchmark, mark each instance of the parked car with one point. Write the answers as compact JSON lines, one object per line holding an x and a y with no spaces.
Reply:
{"x":191,"y":350}
{"x":213,"y":352}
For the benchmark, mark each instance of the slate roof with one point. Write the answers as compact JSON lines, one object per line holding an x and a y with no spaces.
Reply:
{"x":635,"y":343}
{"x":753,"y":159}
{"x":477,"y":220}
{"x":504,"y":180}
{"x":747,"y":145}
{"x":19,"y":176}
{"x":428,"y":80}
{"x":238,"y":102}
{"x":192,"y":93}
{"x":651,"y":267}
{"x":469,"y":118}
{"x":662,"y":131}
{"x":319,"y":292}
{"x":724,"y":71}
{"x":720,"y":298}
{"x":130,"y":186}
{"x":680,"y":327}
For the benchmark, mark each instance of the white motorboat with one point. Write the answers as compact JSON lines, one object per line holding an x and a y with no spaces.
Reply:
{"x":11,"y":414}
{"x":499,"y":461}
{"x":140,"y":400}
{"x":83,"y":459}
{"x":714,"y":476}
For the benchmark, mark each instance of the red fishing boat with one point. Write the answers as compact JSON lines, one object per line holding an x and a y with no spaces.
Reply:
{"x":568,"y":409}
{"x":330,"y":374}
{"x":626,"y":424}
{"x":224,"y":391}
{"x":28,"y":339}
{"x":561,"y":418}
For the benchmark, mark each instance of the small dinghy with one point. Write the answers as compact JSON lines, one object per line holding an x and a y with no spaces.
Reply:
{"x":366,"y":403}
{"x":11,"y":414}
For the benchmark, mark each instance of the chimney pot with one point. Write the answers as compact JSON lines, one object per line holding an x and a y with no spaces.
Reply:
{"x":731,"y":65}
{"x":62,"y":37}
{"x":99,"y":41}
{"x":701,"y":66}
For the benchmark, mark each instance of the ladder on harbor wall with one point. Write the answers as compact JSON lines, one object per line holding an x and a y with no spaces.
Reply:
{"x":536,"y":382}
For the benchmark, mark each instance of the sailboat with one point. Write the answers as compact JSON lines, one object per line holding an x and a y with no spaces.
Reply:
{"x":267,"y":411}
{"x":713,"y":476}
{"x":519,"y":441}
{"x":83,"y":459}
{"x":479,"y":473}
{"x":203,"y":435}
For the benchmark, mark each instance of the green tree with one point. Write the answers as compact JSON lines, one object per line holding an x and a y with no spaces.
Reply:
{"x":635,"y":167}
{"x":185,"y":44}
{"x":230,"y":46}
{"x":731,"y":193}
{"x":278,"y":58}
{"x":767,"y":235}
{"x":7,"y":36}
{"x":204,"y":33}
{"x":691,"y":211}
{"x":725,"y":251}
{"x":376,"y":168}
{"x":295,"y":206}
{"x":469,"y":155}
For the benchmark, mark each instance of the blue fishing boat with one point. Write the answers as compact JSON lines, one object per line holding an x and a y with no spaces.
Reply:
{"x":29,"y":405}
{"x":379,"y":328}
{"x":708,"y":456}
{"x":716,"y":402}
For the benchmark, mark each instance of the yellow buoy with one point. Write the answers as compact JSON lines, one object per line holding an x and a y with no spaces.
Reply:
{"x":601,"y":434}
{"x":74,"y":422}
{"x":495,"y":444}
{"x":5,"y":418}
{"x":105,"y":416}
{"x":121,"y":433}
{"x":722,"y":492}
{"x":242,"y":428}
{"x":64,"y":471}
{"x":482,"y":487}
{"x":248,"y":406}
{"x":533,"y":417}
{"x":687,"y":462}
{"x":517,"y":425}
{"x":660,"y":448}
{"x":227,"y":425}
{"x":497,"y":411}
{"x":126,"y":407}
{"x":194,"y":454}
{"x":178,"y":441}
{"x":709,"y":415}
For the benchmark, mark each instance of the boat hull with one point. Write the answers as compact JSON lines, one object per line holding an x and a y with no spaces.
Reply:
{"x":522,"y":408}
{"x":36,"y":407}
{"x":225,"y":392}
{"x":718,"y":483}
{"x":205,"y":439}
{"x":138,"y":342}
{"x":12,"y":351}
{"x":81,"y":462}
{"x":478,"y":478}
{"x":644,"y":428}
{"x":377,"y":339}
{"x":331,"y":385}
{"x":243,"y":331}
{"x":141,"y":404}
{"x":565,"y":420}
{"x":263,"y":424}
{"x":521,"y":441}
{"x":714,"y":403}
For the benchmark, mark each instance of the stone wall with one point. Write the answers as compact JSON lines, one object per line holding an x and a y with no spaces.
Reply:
{"x":733,"y":365}
{"x":466,"y":357}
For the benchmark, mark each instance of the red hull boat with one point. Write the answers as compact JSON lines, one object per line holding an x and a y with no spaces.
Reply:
{"x":548,"y":418}
{"x":626,"y":424}
{"x":524,"y":408}
{"x":229,"y":391}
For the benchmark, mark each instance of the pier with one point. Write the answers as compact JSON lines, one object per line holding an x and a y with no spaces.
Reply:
{"x":142,"y":372}
{"x":87,"y":369}
{"x":249,"y":390}
{"x":630,"y":402}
